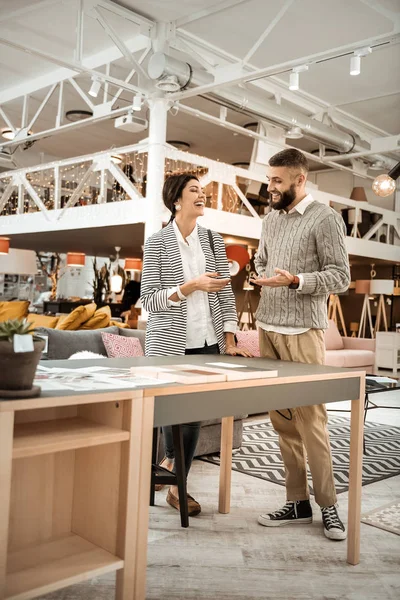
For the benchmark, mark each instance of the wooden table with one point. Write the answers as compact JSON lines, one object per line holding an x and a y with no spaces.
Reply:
{"x":75,"y":468}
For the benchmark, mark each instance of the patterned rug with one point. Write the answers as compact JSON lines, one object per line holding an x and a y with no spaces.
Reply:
{"x":385,"y":517}
{"x":260,"y":457}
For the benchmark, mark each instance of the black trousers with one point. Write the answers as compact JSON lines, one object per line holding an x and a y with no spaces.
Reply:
{"x":190,"y":431}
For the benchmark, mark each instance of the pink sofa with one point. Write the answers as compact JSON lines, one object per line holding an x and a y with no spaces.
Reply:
{"x":352,"y":353}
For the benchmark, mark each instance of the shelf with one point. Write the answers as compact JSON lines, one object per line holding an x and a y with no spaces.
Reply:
{"x":45,"y":437}
{"x":56,"y":564}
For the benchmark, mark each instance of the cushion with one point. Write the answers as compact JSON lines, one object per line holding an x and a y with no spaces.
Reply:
{"x":118,"y":346}
{"x":333,"y":339}
{"x":13,"y":310}
{"x":90,"y":309}
{"x":249,"y":341}
{"x":74,"y":320}
{"x":62,"y":344}
{"x":349,"y":358}
{"x":120,"y":324}
{"x":42,"y":320}
{"x":136,"y":333}
{"x":100,"y":319}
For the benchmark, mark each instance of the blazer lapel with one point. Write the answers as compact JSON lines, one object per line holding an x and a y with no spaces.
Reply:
{"x":173,"y":252}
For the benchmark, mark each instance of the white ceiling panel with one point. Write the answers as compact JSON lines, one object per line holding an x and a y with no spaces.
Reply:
{"x":382,"y":112}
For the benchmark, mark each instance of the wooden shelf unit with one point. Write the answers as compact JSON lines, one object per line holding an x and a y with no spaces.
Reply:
{"x":56,"y":564}
{"x":33,"y":439}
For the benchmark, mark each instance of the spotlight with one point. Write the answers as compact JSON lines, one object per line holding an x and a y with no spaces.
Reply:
{"x":384,"y":185}
{"x":294,"y":133}
{"x":137,"y":102}
{"x":295,"y":77}
{"x":8,"y":134}
{"x":294,"y":81}
{"x":355,"y":65}
{"x":96,"y":85}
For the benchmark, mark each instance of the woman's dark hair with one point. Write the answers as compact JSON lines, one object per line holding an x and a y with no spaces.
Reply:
{"x":173,"y":188}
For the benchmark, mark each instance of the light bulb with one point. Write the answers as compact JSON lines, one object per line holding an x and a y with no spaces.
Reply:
{"x":116,"y":283}
{"x":383,"y":185}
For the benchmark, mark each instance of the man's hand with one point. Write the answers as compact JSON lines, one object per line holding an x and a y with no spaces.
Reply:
{"x":281,"y":279}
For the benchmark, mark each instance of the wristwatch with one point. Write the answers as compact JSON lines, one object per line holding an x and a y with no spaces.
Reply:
{"x":295,"y":283}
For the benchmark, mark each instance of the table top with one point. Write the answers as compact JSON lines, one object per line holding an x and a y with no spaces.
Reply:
{"x":176,"y":403}
{"x":378,"y":387}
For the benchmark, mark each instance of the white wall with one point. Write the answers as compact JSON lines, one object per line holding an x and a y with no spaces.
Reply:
{"x":21,"y":262}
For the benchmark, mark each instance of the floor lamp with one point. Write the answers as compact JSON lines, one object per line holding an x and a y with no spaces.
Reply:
{"x":335,"y":309}
{"x":381,"y":287}
{"x":363,"y":287}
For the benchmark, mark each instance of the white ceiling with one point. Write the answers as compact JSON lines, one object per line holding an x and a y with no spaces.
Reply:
{"x":370,"y":100}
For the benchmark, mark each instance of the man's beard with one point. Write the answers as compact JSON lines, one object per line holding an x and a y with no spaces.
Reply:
{"x":286,"y":198}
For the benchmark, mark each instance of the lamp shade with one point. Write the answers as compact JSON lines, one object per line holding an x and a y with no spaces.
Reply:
{"x":238,"y":257}
{"x":116,"y":283}
{"x":358,"y":193}
{"x":4,"y":245}
{"x":133,"y":264}
{"x":382,"y":286}
{"x":362,"y":286}
{"x":75,"y":259}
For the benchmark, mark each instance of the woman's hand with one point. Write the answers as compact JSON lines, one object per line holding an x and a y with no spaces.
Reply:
{"x":211,"y":282}
{"x":235,"y":351}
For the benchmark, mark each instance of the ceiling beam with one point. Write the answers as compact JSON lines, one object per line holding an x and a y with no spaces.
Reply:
{"x":212,"y":10}
{"x":276,"y":69}
{"x":268,"y":30}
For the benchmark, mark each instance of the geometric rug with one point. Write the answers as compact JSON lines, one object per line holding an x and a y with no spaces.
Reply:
{"x":259,"y":455}
{"x":386,"y":517}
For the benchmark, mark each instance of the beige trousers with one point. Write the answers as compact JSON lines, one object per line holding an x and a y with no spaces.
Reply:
{"x":306,"y":432}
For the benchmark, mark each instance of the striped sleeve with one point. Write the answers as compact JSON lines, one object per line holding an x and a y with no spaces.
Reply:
{"x":152,"y":296}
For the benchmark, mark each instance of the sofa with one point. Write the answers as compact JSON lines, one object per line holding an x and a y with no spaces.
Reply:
{"x":351,"y":353}
{"x":61,"y":344}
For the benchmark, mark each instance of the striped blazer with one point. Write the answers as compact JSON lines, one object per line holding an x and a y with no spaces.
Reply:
{"x":162,"y":269}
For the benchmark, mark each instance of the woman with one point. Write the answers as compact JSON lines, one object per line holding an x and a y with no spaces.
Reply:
{"x":186,"y":290}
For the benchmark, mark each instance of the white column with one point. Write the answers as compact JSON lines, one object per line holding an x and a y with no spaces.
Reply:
{"x":155,"y":165}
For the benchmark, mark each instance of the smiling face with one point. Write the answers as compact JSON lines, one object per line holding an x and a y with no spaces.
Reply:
{"x":286,"y":186}
{"x":192,"y":200}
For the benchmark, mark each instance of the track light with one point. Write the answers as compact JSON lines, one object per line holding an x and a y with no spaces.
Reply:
{"x":355,"y":61}
{"x":384,"y":185}
{"x":96,"y":85}
{"x":295,"y":77}
{"x":137,"y":102}
{"x":294,"y":133}
{"x":355,"y":65}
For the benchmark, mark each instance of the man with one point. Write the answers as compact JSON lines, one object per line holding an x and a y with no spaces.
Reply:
{"x":301,"y":259}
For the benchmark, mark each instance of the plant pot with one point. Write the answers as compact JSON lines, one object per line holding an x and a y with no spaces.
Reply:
{"x":17,"y":369}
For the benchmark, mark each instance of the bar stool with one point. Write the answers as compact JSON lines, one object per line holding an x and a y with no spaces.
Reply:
{"x":163,"y":476}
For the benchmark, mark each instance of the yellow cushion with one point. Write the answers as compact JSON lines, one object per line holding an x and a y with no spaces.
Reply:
{"x":14,"y":310}
{"x":90,"y":310}
{"x":42,"y":320}
{"x":120,"y":324}
{"x":73,"y":320}
{"x":100,"y":319}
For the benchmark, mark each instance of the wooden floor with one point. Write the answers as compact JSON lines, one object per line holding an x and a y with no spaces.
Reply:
{"x":231,"y":557}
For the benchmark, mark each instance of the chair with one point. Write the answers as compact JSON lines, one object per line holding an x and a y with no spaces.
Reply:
{"x":163,"y":476}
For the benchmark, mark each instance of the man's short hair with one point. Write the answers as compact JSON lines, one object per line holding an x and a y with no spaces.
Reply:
{"x":290,"y":158}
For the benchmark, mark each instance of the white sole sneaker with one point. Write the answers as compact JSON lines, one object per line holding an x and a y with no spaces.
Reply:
{"x":267,"y":522}
{"x":335,"y":534}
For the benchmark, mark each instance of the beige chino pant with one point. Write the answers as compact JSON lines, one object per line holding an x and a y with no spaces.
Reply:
{"x":306,"y":433}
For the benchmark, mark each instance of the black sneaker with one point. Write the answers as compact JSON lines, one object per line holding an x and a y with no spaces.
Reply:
{"x":333,"y":526}
{"x":293,"y":512}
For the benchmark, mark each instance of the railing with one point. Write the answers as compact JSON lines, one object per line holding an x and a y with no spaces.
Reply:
{"x":120,"y":174}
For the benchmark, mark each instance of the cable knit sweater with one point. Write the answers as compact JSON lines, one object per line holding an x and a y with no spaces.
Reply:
{"x":312,"y":244}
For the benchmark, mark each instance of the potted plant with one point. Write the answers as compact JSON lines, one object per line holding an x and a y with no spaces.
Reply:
{"x":17,"y":369}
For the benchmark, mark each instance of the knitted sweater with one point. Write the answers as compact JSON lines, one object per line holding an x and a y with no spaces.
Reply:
{"x":312,"y":244}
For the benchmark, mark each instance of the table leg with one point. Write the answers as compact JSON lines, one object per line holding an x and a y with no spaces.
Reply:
{"x":225,"y":472}
{"x":134,"y":490}
{"x":355,"y":477}
{"x":6,"y":448}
